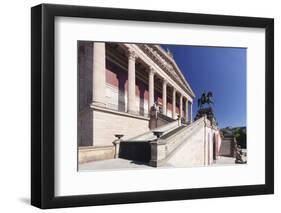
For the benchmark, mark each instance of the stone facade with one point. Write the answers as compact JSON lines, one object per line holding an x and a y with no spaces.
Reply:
{"x":108,"y":123}
{"x":100,"y":126}
{"x":118,"y":83}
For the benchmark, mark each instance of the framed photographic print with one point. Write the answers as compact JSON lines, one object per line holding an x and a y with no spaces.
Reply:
{"x":139,"y":106}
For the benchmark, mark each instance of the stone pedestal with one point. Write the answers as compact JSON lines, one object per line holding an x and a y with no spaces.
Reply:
{"x":208,"y":112}
{"x":158,"y":153}
{"x":116,"y":144}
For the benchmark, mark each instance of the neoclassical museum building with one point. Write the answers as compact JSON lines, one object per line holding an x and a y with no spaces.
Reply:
{"x":119,"y":85}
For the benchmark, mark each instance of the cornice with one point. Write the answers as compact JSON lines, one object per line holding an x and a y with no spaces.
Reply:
{"x":167,"y":64}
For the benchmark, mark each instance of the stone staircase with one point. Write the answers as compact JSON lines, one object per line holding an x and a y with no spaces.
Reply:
{"x":149,"y":136}
{"x":147,"y":148}
{"x":168,"y":145}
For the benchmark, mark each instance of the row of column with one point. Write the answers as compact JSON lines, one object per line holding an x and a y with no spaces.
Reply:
{"x":174,"y":97}
{"x":164,"y":97}
{"x":99,"y":83}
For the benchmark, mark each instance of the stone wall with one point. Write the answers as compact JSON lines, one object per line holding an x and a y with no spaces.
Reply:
{"x":157,"y":120}
{"x":98,"y":126}
{"x":227,"y":147}
{"x":197,"y":150}
{"x":91,"y":153}
{"x":85,"y":128}
{"x":85,"y":74}
{"x":209,"y":145}
{"x":108,"y":123}
{"x":191,"y":153}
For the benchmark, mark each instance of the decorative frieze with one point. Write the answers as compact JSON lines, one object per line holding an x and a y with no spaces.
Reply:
{"x":163,"y":63}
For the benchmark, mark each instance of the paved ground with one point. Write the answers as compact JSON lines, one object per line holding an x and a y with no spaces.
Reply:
{"x":112,"y":164}
{"x":224,"y":161}
{"x":119,"y":163}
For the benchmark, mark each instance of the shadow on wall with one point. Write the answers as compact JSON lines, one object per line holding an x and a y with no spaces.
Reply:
{"x":135,"y":151}
{"x":85,"y":74}
{"x":142,"y":91}
{"x":121,"y":93}
{"x":85,"y":85}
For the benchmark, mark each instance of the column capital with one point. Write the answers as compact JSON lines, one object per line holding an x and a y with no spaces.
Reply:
{"x":165,"y":82}
{"x":151,"y":70}
{"x":132,"y":54}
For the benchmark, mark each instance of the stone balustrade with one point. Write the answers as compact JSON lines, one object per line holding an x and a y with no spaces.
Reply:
{"x":163,"y":148}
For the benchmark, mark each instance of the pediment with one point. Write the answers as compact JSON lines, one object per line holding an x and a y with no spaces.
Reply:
{"x":166,"y":63}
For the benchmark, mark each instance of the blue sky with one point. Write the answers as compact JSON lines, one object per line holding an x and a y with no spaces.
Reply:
{"x":220,"y":70}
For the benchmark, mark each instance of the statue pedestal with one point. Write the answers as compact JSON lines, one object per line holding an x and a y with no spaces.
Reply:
{"x":206,"y":112}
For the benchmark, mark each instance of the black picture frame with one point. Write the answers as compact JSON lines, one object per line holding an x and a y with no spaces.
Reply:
{"x":43,"y":102}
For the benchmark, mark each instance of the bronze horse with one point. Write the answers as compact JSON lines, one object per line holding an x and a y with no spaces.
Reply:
{"x":206,"y":98}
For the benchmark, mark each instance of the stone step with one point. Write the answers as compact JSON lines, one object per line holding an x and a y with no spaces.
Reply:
{"x":149,"y":136}
{"x":140,"y":147}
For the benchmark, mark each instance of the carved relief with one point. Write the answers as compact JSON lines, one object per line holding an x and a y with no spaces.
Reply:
{"x":132,"y":54}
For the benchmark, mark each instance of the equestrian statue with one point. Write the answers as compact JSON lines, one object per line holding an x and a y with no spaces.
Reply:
{"x":206,"y":99}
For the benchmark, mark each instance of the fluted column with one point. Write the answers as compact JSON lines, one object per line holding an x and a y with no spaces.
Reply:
{"x":164,"y":97}
{"x":174,"y":104}
{"x":151,"y":88}
{"x":99,"y":86}
{"x":191,"y":119}
{"x":181,"y":106}
{"x":186,"y":110}
{"x":132,"y":82}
